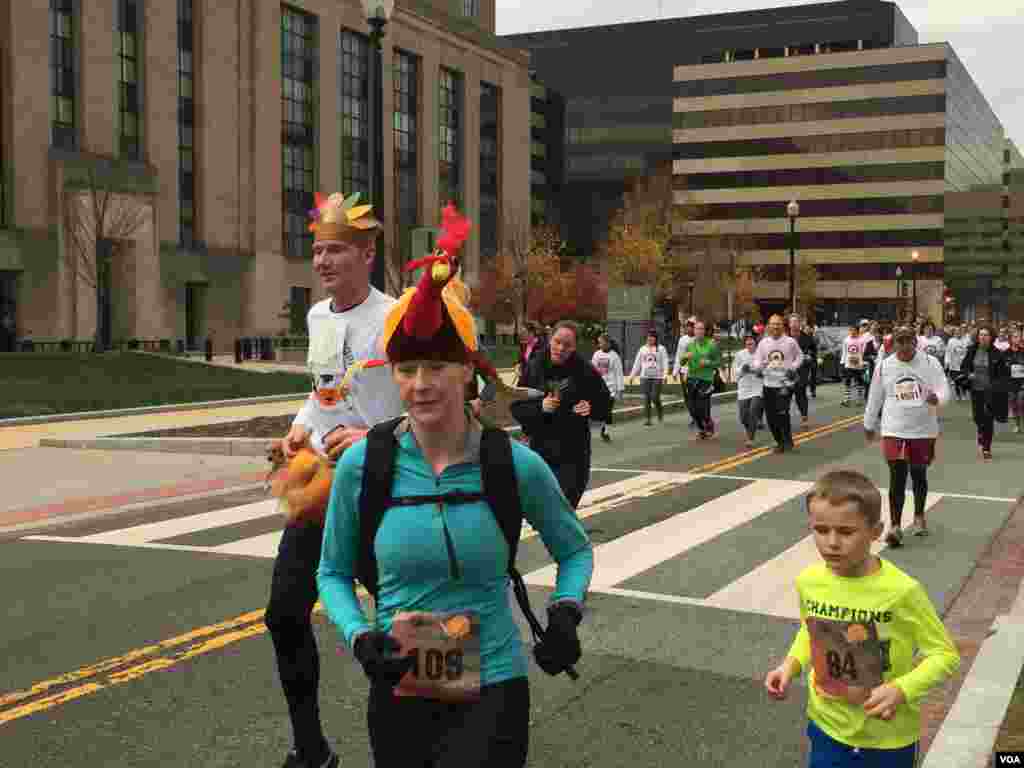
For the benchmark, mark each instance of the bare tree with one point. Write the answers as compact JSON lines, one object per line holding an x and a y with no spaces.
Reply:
{"x":97,"y":220}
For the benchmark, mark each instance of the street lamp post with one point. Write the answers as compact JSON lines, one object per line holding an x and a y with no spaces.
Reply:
{"x":792,"y":210}
{"x":913,"y":278}
{"x":378,"y":12}
{"x":691,"y":285}
{"x":899,"y":291}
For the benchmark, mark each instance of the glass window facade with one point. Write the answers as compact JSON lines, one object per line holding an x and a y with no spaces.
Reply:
{"x":186,"y":127}
{"x":899,"y":238}
{"x":63,"y":86}
{"x":974,"y":136}
{"x":298,"y":139}
{"x":857,"y":272}
{"x":471,"y":8}
{"x":355,"y":113}
{"x":808,"y":145}
{"x":406,"y":129}
{"x":869,"y":206}
{"x":795,"y":113}
{"x":130,"y":58}
{"x":490,"y":105}
{"x":622,"y":134}
{"x":450,"y":181}
{"x":848,"y":174}
{"x":299,"y":299}
{"x":825,"y":78}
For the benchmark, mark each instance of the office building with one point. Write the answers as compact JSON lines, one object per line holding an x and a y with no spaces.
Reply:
{"x":836,"y":105}
{"x":547,"y":152}
{"x":219,"y":121}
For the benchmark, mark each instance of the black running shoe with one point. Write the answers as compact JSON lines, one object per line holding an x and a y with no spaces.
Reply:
{"x":605,"y":436}
{"x":294,"y":761}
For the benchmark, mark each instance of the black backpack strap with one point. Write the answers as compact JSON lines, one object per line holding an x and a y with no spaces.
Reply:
{"x":375,"y":497}
{"x":501,"y":490}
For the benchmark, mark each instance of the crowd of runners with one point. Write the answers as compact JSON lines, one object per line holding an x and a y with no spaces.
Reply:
{"x":404,"y":507}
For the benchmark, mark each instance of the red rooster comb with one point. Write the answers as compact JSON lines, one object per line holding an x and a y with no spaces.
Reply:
{"x":454,"y":230}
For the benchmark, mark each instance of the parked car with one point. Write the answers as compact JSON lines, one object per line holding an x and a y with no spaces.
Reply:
{"x":830,"y":352}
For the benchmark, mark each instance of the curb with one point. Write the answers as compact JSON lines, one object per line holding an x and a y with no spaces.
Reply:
{"x":969,"y":732}
{"x":257,"y":446}
{"x":148,"y":409}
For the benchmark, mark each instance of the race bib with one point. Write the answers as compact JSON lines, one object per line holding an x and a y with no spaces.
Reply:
{"x":908,"y":392}
{"x":849,"y":658}
{"x":776,"y":364}
{"x":445,"y":648}
{"x":1017,"y":371}
{"x":603,"y":366}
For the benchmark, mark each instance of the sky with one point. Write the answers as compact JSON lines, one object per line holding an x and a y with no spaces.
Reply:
{"x":987,"y":40}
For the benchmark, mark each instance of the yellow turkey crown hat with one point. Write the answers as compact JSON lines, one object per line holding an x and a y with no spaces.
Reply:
{"x":337,"y":217}
{"x":430,"y":321}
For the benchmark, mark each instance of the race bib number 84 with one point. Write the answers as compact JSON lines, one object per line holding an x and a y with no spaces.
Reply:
{"x":848,"y":657}
{"x":445,"y":648}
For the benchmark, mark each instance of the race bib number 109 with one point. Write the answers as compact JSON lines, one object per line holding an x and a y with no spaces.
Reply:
{"x":445,"y":648}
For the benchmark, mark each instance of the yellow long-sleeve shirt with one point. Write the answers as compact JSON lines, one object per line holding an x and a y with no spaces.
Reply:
{"x":869,"y":627}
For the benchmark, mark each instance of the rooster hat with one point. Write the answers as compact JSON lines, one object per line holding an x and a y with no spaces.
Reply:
{"x":430,"y":321}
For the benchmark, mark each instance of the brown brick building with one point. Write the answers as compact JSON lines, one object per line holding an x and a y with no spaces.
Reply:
{"x":218,"y":121}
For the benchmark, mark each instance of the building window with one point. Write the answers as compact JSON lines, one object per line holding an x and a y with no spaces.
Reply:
{"x":490,"y":100}
{"x":355,"y":113}
{"x":62,"y":73}
{"x":298,"y":132}
{"x":450,"y":182}
{"x":471,"y":8}
{"x":128,"y":45}
{"x":406,"y":71}
{"x":298,"y":307}
{"x":186,"y":138}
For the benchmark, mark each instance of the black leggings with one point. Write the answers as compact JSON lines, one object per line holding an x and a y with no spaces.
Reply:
{"x":652,"y":395}
{"x":898,"y":486}
{"x":700,"y":409}
{"x":981,"y":404}
{"x":293,"y":593}
{"x":409,"y":732}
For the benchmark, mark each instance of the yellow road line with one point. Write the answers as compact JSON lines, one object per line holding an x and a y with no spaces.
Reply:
{"x":142,"y":661}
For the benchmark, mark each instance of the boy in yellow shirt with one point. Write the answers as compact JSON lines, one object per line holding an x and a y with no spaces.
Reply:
{"x":862,"y":619}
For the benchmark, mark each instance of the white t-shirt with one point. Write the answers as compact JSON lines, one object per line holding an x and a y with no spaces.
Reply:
{"x":336,"y":341}
{"x":748,"y":384}
{"x":609,"y":365}
{"x":651,"y":363}
{"x":956,"y":350}
{"x":684,"y":342}
{"x":853,"y":352}
{"x":932,"y":345}
{"x":904,"y":390}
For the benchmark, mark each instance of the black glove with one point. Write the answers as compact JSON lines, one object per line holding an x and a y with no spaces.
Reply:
{"x":745,"y":368}
{"x":375,"y":651}
{"x":560,"y":647}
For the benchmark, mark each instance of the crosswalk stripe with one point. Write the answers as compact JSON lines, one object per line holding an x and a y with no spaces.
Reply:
{"x":612,"y":495}
{"x":166,"y":529}
{"x":636,"y":552}
{"x":768,"y":589}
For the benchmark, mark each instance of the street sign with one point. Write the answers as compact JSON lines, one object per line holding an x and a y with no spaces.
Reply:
{"x":630,"y":302}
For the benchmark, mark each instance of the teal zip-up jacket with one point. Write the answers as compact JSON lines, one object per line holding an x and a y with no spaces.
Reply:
{"x":448,"y":559}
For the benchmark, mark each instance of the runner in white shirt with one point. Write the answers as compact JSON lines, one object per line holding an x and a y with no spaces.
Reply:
{"x":651,"y":365}
{"x":608,"y":363}
{"x":853,"y":365}
{"x":911,"y":385}
{"x":931,"y":343}
{"x":749,"y":388}
{"x":956,"y":350}
{"x":679,"y":369}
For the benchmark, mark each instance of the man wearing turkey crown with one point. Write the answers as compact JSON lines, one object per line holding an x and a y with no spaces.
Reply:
{"x":348,"y":397}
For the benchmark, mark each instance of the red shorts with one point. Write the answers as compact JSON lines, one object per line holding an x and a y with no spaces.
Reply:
{"x":919,"y":451}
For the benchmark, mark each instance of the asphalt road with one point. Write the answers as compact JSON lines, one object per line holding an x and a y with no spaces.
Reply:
{"x":137,"y":639}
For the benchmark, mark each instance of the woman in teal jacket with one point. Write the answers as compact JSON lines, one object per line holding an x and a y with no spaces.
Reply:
{"x":444,"y":655}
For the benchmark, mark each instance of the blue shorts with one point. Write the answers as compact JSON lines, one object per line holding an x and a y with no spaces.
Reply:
{"x":826,"y":752}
